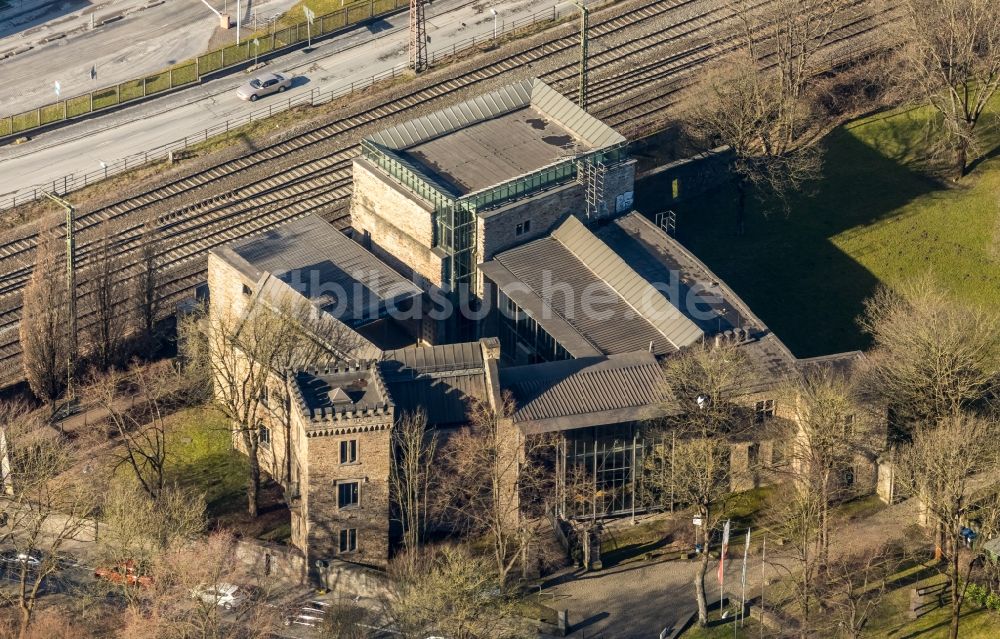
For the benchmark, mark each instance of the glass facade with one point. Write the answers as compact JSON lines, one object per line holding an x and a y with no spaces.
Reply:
{"x":455,"y":217}
{"x":601,"y":470}
{"x":522,"y":339}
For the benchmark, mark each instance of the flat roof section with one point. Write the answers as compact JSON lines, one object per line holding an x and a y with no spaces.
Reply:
{"x":495,"y":151}
{"x":691,"y":287}
{"x":327,"y":391}
{"x":325,"y":266}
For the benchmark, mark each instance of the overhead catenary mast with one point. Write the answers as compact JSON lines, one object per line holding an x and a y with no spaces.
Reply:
{"x":584,"y":25}
{"x":418,"y":36}
{"x":70,"y":288}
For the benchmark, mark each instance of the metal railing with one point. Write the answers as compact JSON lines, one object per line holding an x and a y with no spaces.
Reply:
{"x":74,"y":181}
{"x":192,"y":71}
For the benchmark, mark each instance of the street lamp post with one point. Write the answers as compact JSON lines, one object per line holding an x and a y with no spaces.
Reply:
{"x":494,"y":12}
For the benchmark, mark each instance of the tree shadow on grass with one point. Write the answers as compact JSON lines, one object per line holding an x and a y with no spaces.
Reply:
{"x":944,"y":623}
{"x":786,"y":268}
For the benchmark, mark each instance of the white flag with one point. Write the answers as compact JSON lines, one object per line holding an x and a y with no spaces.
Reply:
{"x":746,"y":553}
{"x":725,"y":549}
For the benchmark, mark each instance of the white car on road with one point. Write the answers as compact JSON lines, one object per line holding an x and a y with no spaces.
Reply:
{"x":226,"y":595}
{"x":264,"y":85}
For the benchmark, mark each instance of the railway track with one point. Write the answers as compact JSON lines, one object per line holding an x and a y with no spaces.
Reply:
{"x":655,"y":87}
{"x":20,"y":249}
{"x":303,"y":184}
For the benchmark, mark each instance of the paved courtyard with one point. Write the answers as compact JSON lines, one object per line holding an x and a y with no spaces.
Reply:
{"x":638,"y":600}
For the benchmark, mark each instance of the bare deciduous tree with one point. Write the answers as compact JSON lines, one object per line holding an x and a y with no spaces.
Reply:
{"x":944,"y":465}
{"x":45,"y":325}
{"x":147,"y":284}
{"x":757,"y":100}
{"x":829,"y":430}
{"x":135,"y":402}
{"x":106,"y":302}
{"x":453,"y":593}
{"x":413,"y":477}
{"x":346,"y":620}
{"x":45,"y":507}
{"x":952,"y":50}
{"x":795,"y":518}
{"x":248,"y":357}
{"x":49,"y":623}
{"x":704,"y":382}
{"x":854,"y":586}
{"x":183,"y":603}
{"x":138,"y":529}
{"x":492,"y":467}
{"x":933,"y":355}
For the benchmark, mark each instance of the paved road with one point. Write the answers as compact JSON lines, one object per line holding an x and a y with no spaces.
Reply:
{"x":147,"y":39}
{"x":637,"y":600}
{"x":354,"y":56}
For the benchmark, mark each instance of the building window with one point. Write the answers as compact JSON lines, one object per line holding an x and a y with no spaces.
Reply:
{"x":849,"y":425}
{"x":777,"y":453}
{"x":348,"y":540}
{"x":265,"y":396}
{"x":264,"y":436}
{"x":347,"y":494}
{"x":247,"y":291}
{"x":349,"y":451}
{"x":763,"y":410}
{"x":848,"y":477}
{"x":523,"y":227}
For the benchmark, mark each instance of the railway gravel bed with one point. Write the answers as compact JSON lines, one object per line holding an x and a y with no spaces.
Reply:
{"x":643,"y":54}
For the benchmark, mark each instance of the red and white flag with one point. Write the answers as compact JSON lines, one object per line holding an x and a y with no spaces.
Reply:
{"x":725,"y":549}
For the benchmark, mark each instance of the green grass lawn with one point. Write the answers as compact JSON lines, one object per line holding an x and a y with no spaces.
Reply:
{"x":856,"y":509}
{"x":891,"y":620}
{"x":622,"y":543}
{"x":319,"y":7}
{"x":201,"y":455}
{"x":723,"y":629}
{"x":874,"y":218}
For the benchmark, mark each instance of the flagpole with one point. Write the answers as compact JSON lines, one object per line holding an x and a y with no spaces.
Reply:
{"x":763,"y":582}
{"x":722,"y":565}
{"x":743,"y":580}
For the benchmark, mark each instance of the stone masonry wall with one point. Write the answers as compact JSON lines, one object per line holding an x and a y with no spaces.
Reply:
{"x":284,"y":564}
{"x":371,"y":516}
{"x":498,"y":227}
{"x":619,"y":189}
{"x":399,"y":226}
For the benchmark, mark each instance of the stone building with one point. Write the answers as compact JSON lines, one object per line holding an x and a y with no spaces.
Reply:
{"x":586,"y":315}
{"x":438,"y":194}
{"x":526,"y":200}
{"x":342,"y":419}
